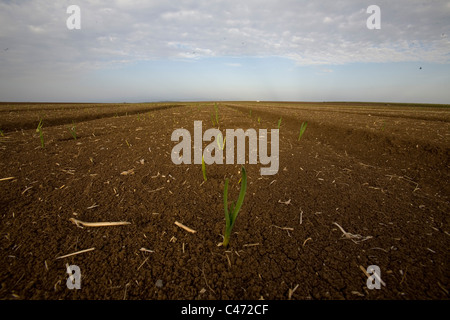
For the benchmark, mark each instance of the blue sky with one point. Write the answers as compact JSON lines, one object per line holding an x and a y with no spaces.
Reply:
{"x":134,"y":51}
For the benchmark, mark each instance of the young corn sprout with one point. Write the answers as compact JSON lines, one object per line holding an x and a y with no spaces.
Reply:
{"x":279,"y":123}
{"x":259,"y":119}
{"x":73,"y":131}
{"x":217,"y":114}
{"x":232,"y":212}
{"x":1,"y":133}
{"x":204,"y":169}
{"x":212,"y":120}
{"x":41,"y":134}
{"x":302,"y":130}
{"x":221,"y":141}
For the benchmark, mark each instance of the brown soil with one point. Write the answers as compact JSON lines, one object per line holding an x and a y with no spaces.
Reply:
{"x":380,"y":171}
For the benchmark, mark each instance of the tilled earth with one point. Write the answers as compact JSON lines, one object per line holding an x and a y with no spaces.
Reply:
{"x":365,"y":185}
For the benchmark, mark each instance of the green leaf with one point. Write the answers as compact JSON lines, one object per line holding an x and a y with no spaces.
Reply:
{"x":241,"y":193}
{"x":232,"y":213}
{"x":225,"y":204}
{"x":302,"y":130}
{"x":217,"y":113}
{"x":204,"y":169}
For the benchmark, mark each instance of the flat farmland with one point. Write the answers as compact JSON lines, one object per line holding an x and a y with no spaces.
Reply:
{"x":367,"y":184}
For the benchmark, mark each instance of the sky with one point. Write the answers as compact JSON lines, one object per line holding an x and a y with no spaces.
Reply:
{"x":277,"y":50}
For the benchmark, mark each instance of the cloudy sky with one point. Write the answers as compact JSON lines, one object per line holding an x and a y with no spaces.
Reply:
{"x":134,"y":51}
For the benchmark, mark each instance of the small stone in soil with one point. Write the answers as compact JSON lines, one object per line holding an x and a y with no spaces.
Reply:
{"x":159,"y":283}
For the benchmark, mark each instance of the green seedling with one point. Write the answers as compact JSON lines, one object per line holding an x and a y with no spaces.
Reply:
{"x":41,"y":134}
{"x":1,"y":133}
{"x":232,"y":212}
{"x":279,"y":123}
{"x":259,"y":119}
{"x":302,"y":130}
{"x":129,"y":145}
{"x":73,"y":131}
{"x":204,"y":169}
{"x":212,"y":120}
{"x":250,"y":113}
{"x":217,"y":113}
{"x":221,"y":141}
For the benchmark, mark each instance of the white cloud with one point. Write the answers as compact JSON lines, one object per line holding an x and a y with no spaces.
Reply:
{"x":308,"y":32}
{"x":327,"y":20}
{"x":36,"y":29}
{"x":234,"y":65}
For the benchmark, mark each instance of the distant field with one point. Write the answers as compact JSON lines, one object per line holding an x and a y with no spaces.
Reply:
{"x":378,"y":171}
